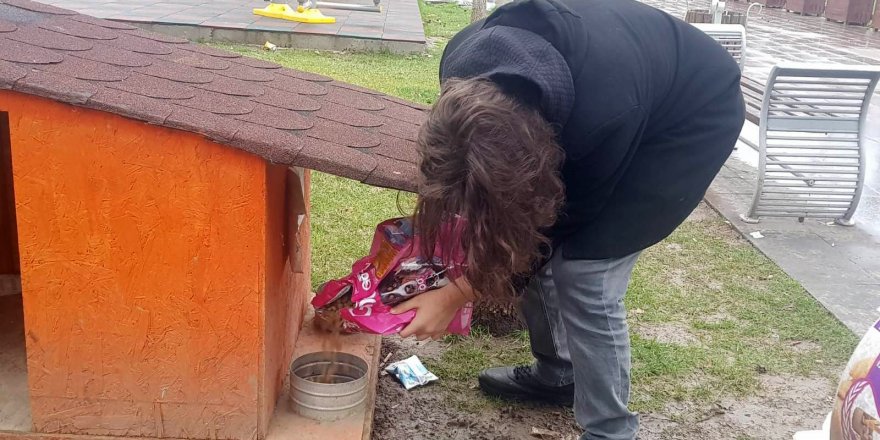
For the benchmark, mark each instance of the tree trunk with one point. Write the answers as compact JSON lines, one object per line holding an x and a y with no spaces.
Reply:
{"x":479,"y":10}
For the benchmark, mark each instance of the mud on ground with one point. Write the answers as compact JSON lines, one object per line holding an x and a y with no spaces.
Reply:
{"x":785,"y":405}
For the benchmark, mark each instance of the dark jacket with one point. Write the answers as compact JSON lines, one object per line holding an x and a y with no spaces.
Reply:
{"x":648,"y":108}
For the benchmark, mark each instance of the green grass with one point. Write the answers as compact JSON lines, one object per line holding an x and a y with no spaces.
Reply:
{"x":443,"y":21}
{"x":344,"y":216}
{"x":743,"y":310}
{"x":413,"y":77}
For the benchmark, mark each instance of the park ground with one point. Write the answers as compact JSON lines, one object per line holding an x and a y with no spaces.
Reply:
{"x":725,"y":344}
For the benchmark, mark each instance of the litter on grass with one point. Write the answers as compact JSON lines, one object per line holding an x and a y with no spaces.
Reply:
{"x":411,"y":373}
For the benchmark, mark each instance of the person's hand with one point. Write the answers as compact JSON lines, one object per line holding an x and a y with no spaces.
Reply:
{"x":435,"y":309}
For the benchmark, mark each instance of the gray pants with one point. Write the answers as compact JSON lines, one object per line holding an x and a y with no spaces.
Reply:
{"x":577,"y":325}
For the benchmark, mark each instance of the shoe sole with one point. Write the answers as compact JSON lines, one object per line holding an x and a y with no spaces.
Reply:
{"x":551,"y":399}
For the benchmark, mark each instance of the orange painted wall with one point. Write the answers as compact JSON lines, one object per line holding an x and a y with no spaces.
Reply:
{"x":157,"y":302}
{"x":8,"y":237}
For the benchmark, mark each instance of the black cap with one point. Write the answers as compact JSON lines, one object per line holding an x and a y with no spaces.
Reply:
{"x":501,"y":52}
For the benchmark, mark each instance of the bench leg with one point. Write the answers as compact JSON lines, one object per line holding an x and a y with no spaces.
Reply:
{"x":844,"y":221}
{"x":749,"y":220}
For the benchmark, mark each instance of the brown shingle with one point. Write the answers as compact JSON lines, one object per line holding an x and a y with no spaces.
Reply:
{"x":289,"y":101}
{"x":78,"y":29}
{"x":275,"y":145}
{"x":392,"y":173}
{"x":255,"y":63}
{"x":215,"y":127}
{"x":102,"y":23}
{"x":242,"y":72}
{"x":211,"y":51}
{"x":218,"y":103}
{"x":348,"y":116}
{"x":59,"y":87}
{"x":37,"y":7}
{"x":140,"y":45}
{"x":336,"y":159}
{"x":277,"y":118}
{"x":283,"y":115}
{"x":153,"y":87}
{"x":24,"y":53}
{"x":6,"y":26}
{"x":177,"y":72}
{"x":403,"y":113}
{"x":356,"y":88}
{"x":297,"y":85}
{"x":154,"y":111}
{"x":343,"y":135}
{"x":404,"y":102}
{"x":48,"y":39}
{"x":196,"y":59}
{"x":9,"y":74}
{"x":308,"y":76}
{"x":87,"y":70}
{"x":395,"y":148}
{"x":157,"y":37}
{"x":114,"y":56}
{"x":401,"y":130}
{"x":358,"y":100}
{"x":231,"y":86}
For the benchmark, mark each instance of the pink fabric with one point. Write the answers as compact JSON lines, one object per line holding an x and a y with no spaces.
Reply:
{"x":394,"y":243}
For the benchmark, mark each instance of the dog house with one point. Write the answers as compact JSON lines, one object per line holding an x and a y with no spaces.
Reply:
{"x":154,"y":201}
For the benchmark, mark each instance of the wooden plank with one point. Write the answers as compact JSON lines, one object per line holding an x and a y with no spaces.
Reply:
{"x":8,"y":235}
{"x":15,"y":407}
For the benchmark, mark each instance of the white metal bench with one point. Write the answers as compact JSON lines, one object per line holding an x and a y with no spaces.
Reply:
{"x":731,"y":36}
{"x":810,"y":143}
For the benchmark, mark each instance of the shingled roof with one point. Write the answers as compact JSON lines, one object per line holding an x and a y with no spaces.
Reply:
{"x":285,"y":116}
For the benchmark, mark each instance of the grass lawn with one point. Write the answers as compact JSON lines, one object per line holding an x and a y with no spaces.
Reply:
{"x":710,"y":314}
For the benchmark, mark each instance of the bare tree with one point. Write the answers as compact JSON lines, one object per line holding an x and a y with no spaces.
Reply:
{"x":479,"y":10}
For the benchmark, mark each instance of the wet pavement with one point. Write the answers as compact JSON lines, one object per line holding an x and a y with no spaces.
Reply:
{"x":839,"y":266}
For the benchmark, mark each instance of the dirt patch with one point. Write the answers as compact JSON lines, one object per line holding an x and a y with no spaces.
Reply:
{"x":674,"y":247}
{"x":435,"y":411}
{"x":804,"y":346}
{"x":718,"y":317}
{"x":451,"y":410}
{"x":715,"y":225}
{"x":499,"y":320}
{"x":702,"y":213}
{"x":678,"y":277}
{"x":786,"y":404}
{"x":667,"y":333}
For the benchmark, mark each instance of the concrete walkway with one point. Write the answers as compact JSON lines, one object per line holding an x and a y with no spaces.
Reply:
{"x":839,"y":266}
{"x":397,"y":28}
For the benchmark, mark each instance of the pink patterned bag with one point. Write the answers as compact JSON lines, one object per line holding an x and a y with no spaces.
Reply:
{"x":392,"y":273}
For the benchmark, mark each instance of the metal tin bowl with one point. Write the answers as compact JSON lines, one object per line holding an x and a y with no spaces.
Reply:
{"x":319,"y":396}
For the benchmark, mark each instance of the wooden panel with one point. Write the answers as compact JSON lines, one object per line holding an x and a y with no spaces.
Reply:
{"x":8,"y":236}
{"x":142,"y":253}
{"x":286,"y":290}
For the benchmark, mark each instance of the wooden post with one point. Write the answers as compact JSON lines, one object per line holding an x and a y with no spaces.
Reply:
{"x":849,"y":11}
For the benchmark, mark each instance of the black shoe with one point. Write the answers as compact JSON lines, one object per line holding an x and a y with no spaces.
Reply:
{"x":520,"y":383}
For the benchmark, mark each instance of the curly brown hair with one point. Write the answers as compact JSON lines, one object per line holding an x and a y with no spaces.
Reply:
{"x":494,"y":160}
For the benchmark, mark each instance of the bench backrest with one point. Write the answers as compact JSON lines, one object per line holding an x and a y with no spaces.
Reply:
{"x":730,"y":36}
{"x":811,"y":141}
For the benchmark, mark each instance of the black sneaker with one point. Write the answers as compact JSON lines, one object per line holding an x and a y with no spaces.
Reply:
{"x":520,"y":383}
